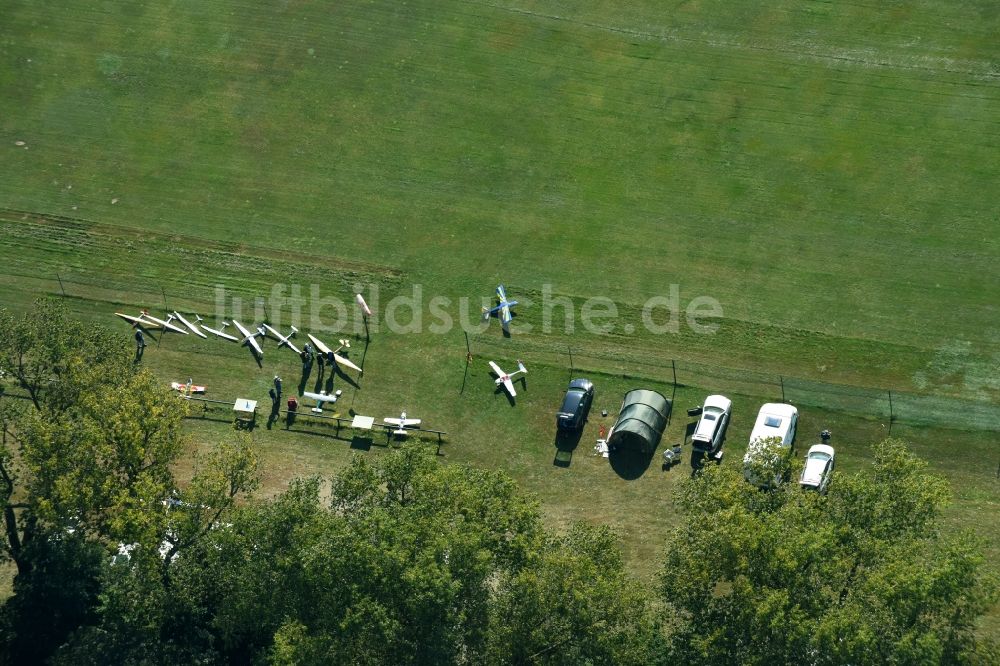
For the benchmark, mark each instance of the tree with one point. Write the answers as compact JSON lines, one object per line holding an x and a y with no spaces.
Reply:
{"x":85,"y":466}
{"x":574,"y":603}
{"x":408,"y":562}
{"x":862,"y":575}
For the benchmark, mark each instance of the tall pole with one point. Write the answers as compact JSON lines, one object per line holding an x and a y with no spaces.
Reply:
{"x":61,"y":285}
{"x":891,"y":413}
{"x":468,"y":360}
{"x":782,"y":380}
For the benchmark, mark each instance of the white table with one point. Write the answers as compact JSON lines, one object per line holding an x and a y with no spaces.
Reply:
{"x":246,"y":411}
{"x":363,"y":422}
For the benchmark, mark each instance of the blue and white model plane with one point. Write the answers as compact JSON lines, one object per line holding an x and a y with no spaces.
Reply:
{"x":502,"y":309}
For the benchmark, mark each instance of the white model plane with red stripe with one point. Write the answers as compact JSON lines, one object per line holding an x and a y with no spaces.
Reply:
{"x":505,"y":379}
{"x":341,"y":360}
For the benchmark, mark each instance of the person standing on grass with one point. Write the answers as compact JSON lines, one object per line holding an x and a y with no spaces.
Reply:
{"x":140,"y":345}
{"x":275,"y":407}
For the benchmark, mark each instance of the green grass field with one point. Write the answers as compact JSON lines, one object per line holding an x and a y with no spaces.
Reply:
{"x":826,"y":171}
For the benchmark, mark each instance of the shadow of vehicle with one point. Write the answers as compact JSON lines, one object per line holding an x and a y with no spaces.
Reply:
{"x":565,"y":443}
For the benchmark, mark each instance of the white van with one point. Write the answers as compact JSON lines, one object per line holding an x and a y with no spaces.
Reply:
{"x":776,"y":420}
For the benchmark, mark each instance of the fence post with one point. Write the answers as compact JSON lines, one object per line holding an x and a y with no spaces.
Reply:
{"x":468,"y":356}
{"x":891,"y":413}
{"x":673,"y":366}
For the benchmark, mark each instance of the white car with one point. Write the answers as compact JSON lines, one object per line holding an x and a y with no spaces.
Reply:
{"x":819,"y":466}
{"x":711,"y":431}
{"x":774,"y":421}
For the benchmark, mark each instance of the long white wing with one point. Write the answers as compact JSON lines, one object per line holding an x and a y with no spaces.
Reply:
{"x":509,"y":385}
{"x":242,"y":329}
{"x":496,"y":369}
{"x":395,"y":422}
{"x":282,"y":339}
{"x":319,"y":397}
{"x":221,"y":334}
{"x":165,"y":324}
{"x":137,"y":321}
{"x":252,"y":341}
{"x":319,"y":343}
{"x":411,"y":422}
{"x":194,"y":329}
{"x":345,"y":361}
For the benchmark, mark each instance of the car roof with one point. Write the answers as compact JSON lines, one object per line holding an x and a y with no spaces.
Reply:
{"x":706,"y":426}
{"x":778,"y":410}
{"x":581,"y":383}
{"x":812,"y":473}
{"x":720,"y":401}
{"x":820,"y":448}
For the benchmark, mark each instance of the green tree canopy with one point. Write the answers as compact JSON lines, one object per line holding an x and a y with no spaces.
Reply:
{"x":861,"y":575}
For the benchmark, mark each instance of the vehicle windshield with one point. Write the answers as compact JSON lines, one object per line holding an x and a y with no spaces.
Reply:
{"x":708,"y":417}
{"x":772,"y":421}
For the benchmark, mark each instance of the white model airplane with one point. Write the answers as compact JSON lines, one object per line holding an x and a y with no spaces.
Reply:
{"x":220,"y":332}
{"x":146,"y":320}
{"x":284,"y":339}
{"x":193,"y":328}
{"x":341,"y":360}
{"x":402,"y":423}
{"x":249,"y":338}
{"x":137,"y":322}
{"x":164,"y":323}
{"x":505,"y":379}
{"x":502,"y":309}
{"x":321,"y":398}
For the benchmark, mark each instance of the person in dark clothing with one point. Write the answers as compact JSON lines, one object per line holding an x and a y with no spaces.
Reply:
{"x":277,"y":386}
{"x":140,"y":345}
{"x":275,"y":408}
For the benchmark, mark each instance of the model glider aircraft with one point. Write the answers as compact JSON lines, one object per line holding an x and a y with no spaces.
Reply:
{"x":505,"y":379}
{"x":402,"y":423}
{"x":191,"y":327}
{"x":321,"y":398}
{"x":283,"y":340}
{"x":164,"y":323}
{"x":221,"y":332}
{"x":502,"y":309}
{"x":249,"y":339}
{"x":137,"y":322}
{"x":341,"y":360}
